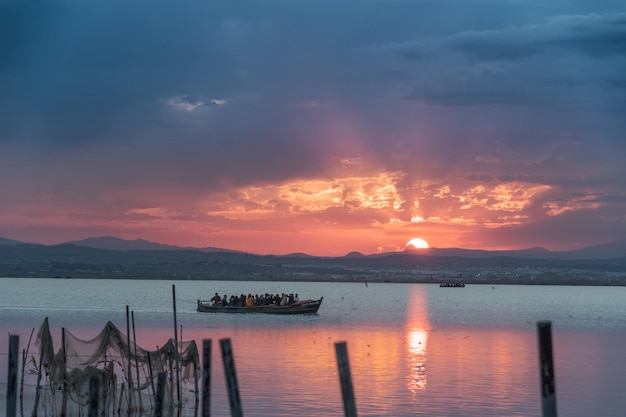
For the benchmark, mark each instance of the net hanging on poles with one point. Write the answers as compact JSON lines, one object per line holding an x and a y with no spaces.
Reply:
{"x":63,"y":376}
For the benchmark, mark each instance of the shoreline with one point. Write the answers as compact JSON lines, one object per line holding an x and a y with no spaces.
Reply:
{"x":493,"y":281}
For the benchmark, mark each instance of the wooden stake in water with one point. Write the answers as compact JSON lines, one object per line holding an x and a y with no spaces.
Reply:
{"x":64,"y":351}
{"x":158,"y":401}
{"x":130,"y":364}
{"x":176,"y":346}
{"x":132,"y":315}
{"x":546,"y":369}
{"x":151,"y":374}
{"x":206,"y":378}
{"x":231,"y":378}
{"x":349,"y":404}
{"x":14,"y":346}
{"x":45,"y":325}
{"x":24,"y":356}
{"x":94,"y":393}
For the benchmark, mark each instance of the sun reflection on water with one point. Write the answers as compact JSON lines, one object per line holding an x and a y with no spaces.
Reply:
{"x":417,"y":339}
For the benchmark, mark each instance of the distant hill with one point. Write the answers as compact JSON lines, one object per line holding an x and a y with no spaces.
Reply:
{"x":530,"y":253}
{"x":355,"y":255}
{"x":115,"y":243}
{"x":298,"y":255}
{"x":5,"y":241}
{"x":603,"y":251}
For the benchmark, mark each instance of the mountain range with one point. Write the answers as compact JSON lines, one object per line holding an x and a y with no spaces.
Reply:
{"x":603,"y":251}
{"x":115,"y":258}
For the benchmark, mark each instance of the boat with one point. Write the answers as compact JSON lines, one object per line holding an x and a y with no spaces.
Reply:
{"x":299,"y":307}
{"x":452,"y":285}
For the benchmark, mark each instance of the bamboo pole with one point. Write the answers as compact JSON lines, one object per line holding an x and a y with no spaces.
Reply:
{"x":14,"y":347}
{"x":345,"y":378}
{"x":206,"y":378}
{"x":231,"y":378}
{"x":546,"y":369}
{"x":176,"y":346}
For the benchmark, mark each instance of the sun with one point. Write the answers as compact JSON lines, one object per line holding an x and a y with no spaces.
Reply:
{"x":417,"y":243}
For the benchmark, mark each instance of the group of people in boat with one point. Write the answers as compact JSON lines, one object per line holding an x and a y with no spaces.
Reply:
{"x":254,"y":300}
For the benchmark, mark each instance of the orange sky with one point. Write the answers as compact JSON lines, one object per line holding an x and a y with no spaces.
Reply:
{"x":372,"y":213}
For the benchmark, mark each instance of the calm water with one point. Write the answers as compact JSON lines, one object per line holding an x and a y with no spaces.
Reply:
{"x":413,"y":349}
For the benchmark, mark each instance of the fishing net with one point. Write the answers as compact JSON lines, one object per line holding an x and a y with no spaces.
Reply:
{"x":127,"y":373}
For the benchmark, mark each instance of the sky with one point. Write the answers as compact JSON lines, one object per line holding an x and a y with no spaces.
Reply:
{"x":323,"y":127}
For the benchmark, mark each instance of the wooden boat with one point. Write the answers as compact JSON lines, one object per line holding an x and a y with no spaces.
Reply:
{"x":300,"y":307}
{"x":452,"y":285}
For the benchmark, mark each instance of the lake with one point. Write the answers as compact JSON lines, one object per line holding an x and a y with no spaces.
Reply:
{"x":414,"y":349}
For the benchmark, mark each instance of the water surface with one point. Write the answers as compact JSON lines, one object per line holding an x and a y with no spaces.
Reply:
{"x":413,"y":349}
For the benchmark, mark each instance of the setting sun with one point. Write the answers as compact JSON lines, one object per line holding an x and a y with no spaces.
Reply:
{"x":417,"y":243}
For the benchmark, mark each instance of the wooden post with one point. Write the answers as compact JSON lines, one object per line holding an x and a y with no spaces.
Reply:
{"x":106,"y":385}
{"x":45,"y":329}
{"x":38,"y":384}
{"x":158,"y":402}
{"x":206,"y":378}
{"x":119,"y":403}
{"x":345,"y":378}
{"x":130,"y":363}
{"x":546,"y":369}
{"x":151,"y":374}
{"x":64,"y":384}
{"x":24,"y":356}
{"x":132,"y":313}
{"x":14,"y":346}
{"x":172,"y":380}
{"x":94,"y":393}
{"x":196,"y":387}
{"x":231,"y":378}
{"x":176,"y":346}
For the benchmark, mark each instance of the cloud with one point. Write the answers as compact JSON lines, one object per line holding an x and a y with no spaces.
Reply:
{"x":557,"y":60}
{"x":191,"y":103}
{"x":598,"y":35}
{"x":479,"y":177}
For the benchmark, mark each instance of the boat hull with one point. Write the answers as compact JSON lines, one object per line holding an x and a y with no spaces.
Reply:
{"x":301,"y":307}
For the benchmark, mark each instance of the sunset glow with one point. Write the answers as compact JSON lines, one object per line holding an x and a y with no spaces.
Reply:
{"x":417,"y":329}
{"x":433,"y":127}
{"x":417,"y":243}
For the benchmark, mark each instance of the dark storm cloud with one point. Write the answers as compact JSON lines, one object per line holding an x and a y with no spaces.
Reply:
{"x":549,"y":61}
{"x":595,"y":35}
